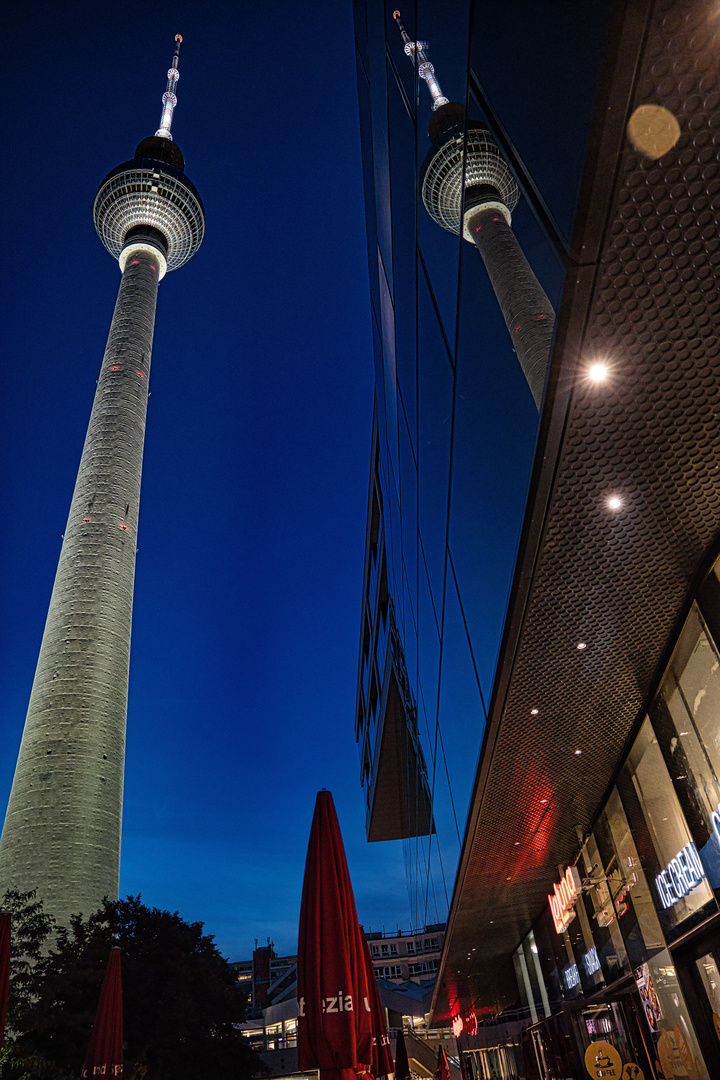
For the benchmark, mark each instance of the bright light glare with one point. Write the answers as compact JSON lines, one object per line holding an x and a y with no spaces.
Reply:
{"x":598,"y":372}
{"x":614,"y":502}
{"x":577,"y":752}
{"x":581,"y":645}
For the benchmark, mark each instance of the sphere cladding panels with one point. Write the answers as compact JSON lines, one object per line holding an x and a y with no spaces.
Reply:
{"x":614,"y":580}
{"x":443,"y":181}
{"x":138,"y":194}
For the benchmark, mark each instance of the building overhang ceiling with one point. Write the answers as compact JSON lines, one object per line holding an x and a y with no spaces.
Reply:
{"x":642,"y":296}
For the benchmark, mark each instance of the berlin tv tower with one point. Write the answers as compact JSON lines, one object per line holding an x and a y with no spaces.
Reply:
{"x":62,"y":828}
{"x":480,"y":204}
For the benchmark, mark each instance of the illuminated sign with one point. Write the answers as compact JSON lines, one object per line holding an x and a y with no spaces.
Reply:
{"x":715,"y":818}
{"x":571,"y":976}
{"x":457,"y":1025}
{"x":591,"y":963}
{"x":562,"y":902}
{"x":471,"y":1024}
{"x":681,"y":876}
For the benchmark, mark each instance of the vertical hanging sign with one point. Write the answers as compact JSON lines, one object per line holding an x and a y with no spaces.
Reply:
{"x":562,"y":902}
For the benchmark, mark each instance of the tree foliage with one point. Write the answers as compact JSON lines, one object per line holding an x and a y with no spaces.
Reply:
{"x":30,"y":928}
{"x":179,"y":997}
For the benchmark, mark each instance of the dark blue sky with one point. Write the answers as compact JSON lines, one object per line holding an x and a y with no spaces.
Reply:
{"x":251,"y":540}
{"x":249,"y":573}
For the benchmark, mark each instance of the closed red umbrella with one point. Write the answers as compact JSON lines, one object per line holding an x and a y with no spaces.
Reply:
{"x":443,"y":1069}
{"x":402,"y":1065}
{"x":105,"y":1051}
{"x":382,"y":1061}
{"x":4,"y":968}
{"x":334,"y":1019}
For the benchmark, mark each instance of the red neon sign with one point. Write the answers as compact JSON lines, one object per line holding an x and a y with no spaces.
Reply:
{"x":562,"y":902}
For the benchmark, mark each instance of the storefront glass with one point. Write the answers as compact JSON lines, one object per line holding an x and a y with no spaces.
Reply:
{"x":609,"y":1046}
{"x":600,"y":868}
{"x":686,"y":719}
{"x":634,"y":908}
{"x":663,"y":840}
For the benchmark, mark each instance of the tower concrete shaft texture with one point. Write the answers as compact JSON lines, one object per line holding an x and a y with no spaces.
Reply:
{"x":63,"y":822}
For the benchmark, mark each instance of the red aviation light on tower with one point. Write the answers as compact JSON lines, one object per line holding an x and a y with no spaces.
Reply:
{"x":170,"y":97}
{"x":562,"y":902}
{"x":426,"y":71}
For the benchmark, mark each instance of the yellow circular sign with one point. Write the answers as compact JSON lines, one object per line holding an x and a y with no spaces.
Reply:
{"x":631,"y":1071}
{"x":716,"y":1022}
{"x":602,"y":1061}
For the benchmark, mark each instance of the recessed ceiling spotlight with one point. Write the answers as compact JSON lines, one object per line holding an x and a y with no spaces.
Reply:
{"x":614,"y":502}
{"x":517,"y":843}
{"x":534,"y":712}
{"x":598,"y":372}
{"x":582,"y":645}
{"x":578,"y":752}
{"x":508,"y":877}
{"x":543,"y":802}
{"x":684,"y":732}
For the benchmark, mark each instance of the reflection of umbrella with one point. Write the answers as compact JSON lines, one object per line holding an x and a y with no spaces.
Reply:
{"x":382,"y":1062}
{"x":443,"y":1069}
{"x":4,"y":968}
{"x":104,"y":1054}
{"x":402,"y":1065}
{"x":334,"y":1023}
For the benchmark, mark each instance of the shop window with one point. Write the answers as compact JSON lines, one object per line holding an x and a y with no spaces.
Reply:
{"x":634,"y":906}
{"x":686,"y":719}
{"x":675,"y":874}
{"x":601,"y":878}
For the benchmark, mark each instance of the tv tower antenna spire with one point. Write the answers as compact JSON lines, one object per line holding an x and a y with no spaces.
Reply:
{"x":170,"y":97}
{"x":426,"y":70}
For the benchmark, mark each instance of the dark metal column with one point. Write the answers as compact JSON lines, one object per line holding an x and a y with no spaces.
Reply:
{"x":62,"y":830}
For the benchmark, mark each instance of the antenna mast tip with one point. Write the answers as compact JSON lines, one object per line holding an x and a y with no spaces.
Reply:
{"x":178,"y":37}
{"x":396,"y":14}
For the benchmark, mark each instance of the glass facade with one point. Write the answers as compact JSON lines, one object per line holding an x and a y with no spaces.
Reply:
{"x":456,"y":422}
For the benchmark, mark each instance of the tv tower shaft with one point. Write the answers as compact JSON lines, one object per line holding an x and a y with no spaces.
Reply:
{"x":62,"y":829}
{"x":527,"y":311}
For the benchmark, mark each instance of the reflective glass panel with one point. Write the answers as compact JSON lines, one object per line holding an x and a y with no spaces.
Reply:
{"x":666,"y":848}
{"x":686,"y":718}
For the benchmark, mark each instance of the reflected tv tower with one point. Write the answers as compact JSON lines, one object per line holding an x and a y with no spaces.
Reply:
{"x":466,"y":185}
{"x":62,"y":828}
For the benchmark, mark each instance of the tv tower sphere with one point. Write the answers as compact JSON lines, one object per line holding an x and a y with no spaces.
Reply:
{"x":457,"y":162}
{"x":62,"y":828}
{"x":150,"y":192}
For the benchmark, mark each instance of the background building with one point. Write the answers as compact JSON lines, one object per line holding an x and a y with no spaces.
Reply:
{"x":413,"y":956}
{"x":267,"y":979}
{"x":595,"y":717}
{"x":406,"y":966}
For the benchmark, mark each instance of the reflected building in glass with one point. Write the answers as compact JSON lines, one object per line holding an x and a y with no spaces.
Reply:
{"x":549,"y":577}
